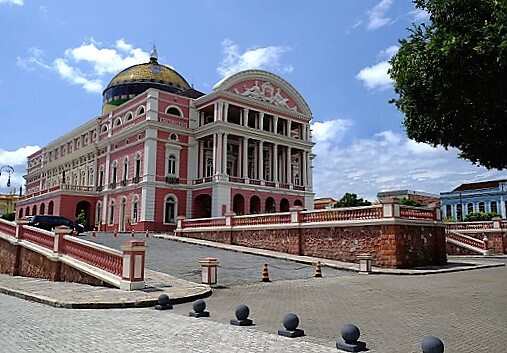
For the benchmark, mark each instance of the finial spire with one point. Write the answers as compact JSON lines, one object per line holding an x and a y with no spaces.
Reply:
{"x":154,"y":55}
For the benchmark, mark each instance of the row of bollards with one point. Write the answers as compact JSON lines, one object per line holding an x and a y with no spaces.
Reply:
{"x":350,"y":333}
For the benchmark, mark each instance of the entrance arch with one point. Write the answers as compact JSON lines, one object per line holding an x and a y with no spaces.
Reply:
{"x":238,"y":204}
{"x":202,"y":206}
{"x":298,"y":203}
{"x":255,"y":205}
{"x":270,"y":205}
{"x":284,"y":205}
{"x":82,"y":206}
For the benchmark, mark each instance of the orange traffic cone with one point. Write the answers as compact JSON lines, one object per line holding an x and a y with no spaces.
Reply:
{"x":265,"y":274}
{"x":318,"y":270}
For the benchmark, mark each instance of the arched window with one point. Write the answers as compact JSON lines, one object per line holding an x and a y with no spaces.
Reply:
{"x":482,"y":207}
{"x":51,"y":207}
{"x":137,"y":171}
{"x":125,"y":169}
{"x":140,"y":110}
{"x":173,"y":111}
{"x":128,"y":117}
{"x":27,"y":211}
{"x":101,"y":176}
{"x":170,"y":210}
{"x":114,"y":174}
{"x":42,"y":208}
{"x":98,"y":216}
{"x":135,"y":209}
{"x":20,"y":214}
{"x":459,"y":212}
{"x":470,"y":207}
{"x":111,"y":213}
{"x":103,"y":129}
{"x":448,"y":211}
{"x":34,"y":209}
{"x":171,"y":165}
{"x":117,"y":122}
{"x":493,"y":207}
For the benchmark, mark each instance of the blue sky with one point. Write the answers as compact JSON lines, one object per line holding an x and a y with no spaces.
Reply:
{"x":58,"y":56}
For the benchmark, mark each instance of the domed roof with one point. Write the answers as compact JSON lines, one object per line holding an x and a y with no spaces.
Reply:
{"x":138,"y":78}
{"x":150,"y":72}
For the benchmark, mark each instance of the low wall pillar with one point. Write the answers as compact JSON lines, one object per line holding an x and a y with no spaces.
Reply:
{"x":134,"y":254}
{"x":60,"y":232}
{"x":19,"y":228}
{"x":179,"y":223}
{"x":390,"y":208}
{"x":295,"y":214}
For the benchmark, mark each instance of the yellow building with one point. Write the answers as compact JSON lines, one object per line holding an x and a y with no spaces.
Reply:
{"x":8,"y":202}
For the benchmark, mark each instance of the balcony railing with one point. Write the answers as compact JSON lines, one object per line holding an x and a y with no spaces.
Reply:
{"x":172,"y":180}
{"x":112,"y":185}
{"x":135,"y":180}
{"x":123,"y":182}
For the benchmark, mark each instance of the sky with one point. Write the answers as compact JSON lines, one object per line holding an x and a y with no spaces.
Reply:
{"x":58,"y":56}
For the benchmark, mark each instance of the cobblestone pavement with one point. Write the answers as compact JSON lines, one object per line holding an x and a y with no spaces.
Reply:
{"x":467,"y":310}
{"x":182,"y":260}
{"x":33,"y":327}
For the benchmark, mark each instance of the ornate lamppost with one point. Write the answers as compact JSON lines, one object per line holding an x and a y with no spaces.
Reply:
{"x":9,"y":170}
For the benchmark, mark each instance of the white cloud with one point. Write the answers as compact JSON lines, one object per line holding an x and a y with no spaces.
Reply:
{"x":419,"y":15}
{"x":12,"y":2}
{"x":386,"y":161}
{"x":88,"y":64}
{"x":376,"y":76}
{"x":257,"y":58}
{"x":17,"y":160}
{"x":330,"y":130}
{"x":377,"y":15}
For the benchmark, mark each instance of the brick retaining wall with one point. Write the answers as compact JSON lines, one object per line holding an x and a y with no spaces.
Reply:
{"x":391,"y":245}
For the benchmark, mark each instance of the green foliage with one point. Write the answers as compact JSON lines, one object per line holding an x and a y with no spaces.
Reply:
{"x":449,"y":219}
{"x":81,"y":218}
{"x":480,"y":216}
{"x":9,"y":216}
{"x":351,"y":200}
{"x":410,"y":202}
{"x":450,"y":75}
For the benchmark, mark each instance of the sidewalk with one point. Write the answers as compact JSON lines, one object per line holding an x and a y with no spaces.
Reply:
{"x":82,"y":296}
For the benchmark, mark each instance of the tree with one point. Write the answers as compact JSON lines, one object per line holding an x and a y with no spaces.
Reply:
{"x":410,"y":202}
{"x":351,"y":200}
{"x":450,"y":76}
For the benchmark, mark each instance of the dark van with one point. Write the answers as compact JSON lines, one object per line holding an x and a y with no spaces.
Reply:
{"x":50,"y":222}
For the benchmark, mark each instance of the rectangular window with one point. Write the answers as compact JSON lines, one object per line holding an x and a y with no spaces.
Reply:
{"x":493,"y":207}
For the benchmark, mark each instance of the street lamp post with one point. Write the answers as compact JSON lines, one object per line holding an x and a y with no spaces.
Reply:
{"x":9,"y":170}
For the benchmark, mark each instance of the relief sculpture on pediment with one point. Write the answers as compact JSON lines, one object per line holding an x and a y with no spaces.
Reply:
{"x":266,"y":93}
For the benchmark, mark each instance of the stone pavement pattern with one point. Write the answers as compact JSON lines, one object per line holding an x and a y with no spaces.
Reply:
{"x":34,"y":327}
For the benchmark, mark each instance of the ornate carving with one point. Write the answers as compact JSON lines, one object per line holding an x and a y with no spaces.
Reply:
{"x":266,"y":93}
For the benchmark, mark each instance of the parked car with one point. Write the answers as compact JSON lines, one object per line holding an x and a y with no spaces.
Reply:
{"x":50,"y":222}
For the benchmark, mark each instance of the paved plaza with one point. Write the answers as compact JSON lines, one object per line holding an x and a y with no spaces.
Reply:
{"x":467,"y":310}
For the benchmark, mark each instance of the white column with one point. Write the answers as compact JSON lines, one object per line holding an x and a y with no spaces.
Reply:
{"x":245,"y":116}
{"x":261,"y":120}
{"x":245,"y":157}
{"x":217,"y":153}
{"x":288,"y":166}
{"x":226,"y":111}
{"x":275,"y":162}
{"x":289,"y":126}
{"x":200,"y":158}
{"x":304,"y":169}
{"x":275,"y":124}
{"x":261,"y":160}
{"x":224,"y":152}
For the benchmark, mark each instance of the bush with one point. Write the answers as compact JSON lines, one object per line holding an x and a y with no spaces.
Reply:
{"x":9,"y":216}
{"x":480,"y":216}
{"x":410,"y":202}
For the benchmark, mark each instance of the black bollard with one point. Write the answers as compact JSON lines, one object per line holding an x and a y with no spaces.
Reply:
{"x":242,"y":312}
{"x":350,"y":334}
{"x":432,"y":344}
{"x":163,"y":302}
{"x":290,"y":323}
{"x":199,"y":305}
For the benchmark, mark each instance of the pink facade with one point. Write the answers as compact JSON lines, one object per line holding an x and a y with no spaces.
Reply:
{"x":244,"y":148}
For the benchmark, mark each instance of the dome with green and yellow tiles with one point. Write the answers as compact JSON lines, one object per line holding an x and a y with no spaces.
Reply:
{"x":136,"y":79}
